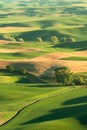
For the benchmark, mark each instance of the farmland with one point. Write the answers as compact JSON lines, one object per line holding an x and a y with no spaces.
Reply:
{"x":38,"y":36}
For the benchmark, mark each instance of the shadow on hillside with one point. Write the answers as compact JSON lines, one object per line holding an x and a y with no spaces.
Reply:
{"x":21,"y":24}
{"x":46,"y":23}
{"x":49,"y":75}
{"x":42,"y":23}
{"x":31,"y":12}
{"x":6,"y":15}
{"x":6,"y":73}
{"x":39,"y":11}
{"x":44,"y":34}
{"x":79,"y":46}
{"x":74,"y":10}
{"x":79,"y":112}
{"x":76,"y":101}
{"x":29,"y":66}
{"x":29,"y":77}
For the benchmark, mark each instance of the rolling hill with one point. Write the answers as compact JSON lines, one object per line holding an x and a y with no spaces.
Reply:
{"x":38,"y":36}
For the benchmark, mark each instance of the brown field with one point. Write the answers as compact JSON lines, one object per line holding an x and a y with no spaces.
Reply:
{"x":16,"y":29}
{"x":9,"y":42}
{"x":20,"y":50}
{"x":41,"y":64}
{"x":1,"y":121}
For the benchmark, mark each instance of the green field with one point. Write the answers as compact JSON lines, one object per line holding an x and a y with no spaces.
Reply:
{"x":39,"y":35}
{"x":63,"y":107}
{"x":44,"y":48}
{"x":20,"y":55}
{"x":75,"y":58}
{"x":43,"y":19}
{"x":16,"y":96}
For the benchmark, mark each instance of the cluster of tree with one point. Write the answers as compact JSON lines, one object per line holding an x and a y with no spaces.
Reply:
{"x":63,"y":75}
{"x":9,"y":37}
{"x":55,"y":39}
{"x":11,"y":69}
{"x":12,"y":38}
{"x":66,"y":77}
{"x":52,"y":39}
{"x":66,"y":40}
{"x":26,"y":77}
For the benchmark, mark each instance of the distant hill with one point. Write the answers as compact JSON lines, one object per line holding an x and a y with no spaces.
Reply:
{"x":42,"y":2}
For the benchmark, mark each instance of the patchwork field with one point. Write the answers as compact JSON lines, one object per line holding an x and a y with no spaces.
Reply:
{"x":38,"y":36}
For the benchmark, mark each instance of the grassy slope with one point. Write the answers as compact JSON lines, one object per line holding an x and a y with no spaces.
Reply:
{"x":6,"y":77}
{"x":65,"y":111}
{"x":46,"y":47}
{"x":61,"y":27}
{"x":15,"y":96}
{"x":51,"y":113}
{"x":20,"y":55}
{"x":75,"y":58}
{"x":48,"y":19}
{"x":9,"y":79}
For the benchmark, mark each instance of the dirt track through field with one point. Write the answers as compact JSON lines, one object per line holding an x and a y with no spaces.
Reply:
{"x":1,"y":122}
{"x":43,"y":63}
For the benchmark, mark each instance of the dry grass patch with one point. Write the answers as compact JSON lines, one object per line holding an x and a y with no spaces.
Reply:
{"x":20,"y":50}
{"x":1,"y":121}
{"x":17,"y":29}
{"x":41,"y":64}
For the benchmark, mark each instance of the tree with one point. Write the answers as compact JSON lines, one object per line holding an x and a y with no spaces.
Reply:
{"x":71,"y":39}
{"x":64,"y":40}
{"x":10,"y":68}
{"x":79,"y":80}
{"x":64,"y":76}
{"x":23,"y":71}
{"x":21,"y":40}
{"x":9,"y":37}
{"x":54,"y":39}
{"x":39,"y":39}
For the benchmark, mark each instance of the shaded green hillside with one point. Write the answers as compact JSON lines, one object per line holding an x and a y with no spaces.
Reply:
{"x":15,"y":96}
{"x":43,"y":18}
{"x":78,"y":46}
{"x":63,"y":111}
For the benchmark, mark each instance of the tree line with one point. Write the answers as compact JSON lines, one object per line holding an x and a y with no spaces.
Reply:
{"x":55,"y":39}
{"x":63,"y":75}
{"x":52,"y":39}
{"x":66,"y":77}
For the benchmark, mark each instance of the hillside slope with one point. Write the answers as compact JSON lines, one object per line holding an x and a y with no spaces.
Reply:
{"x":62,"y":111}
